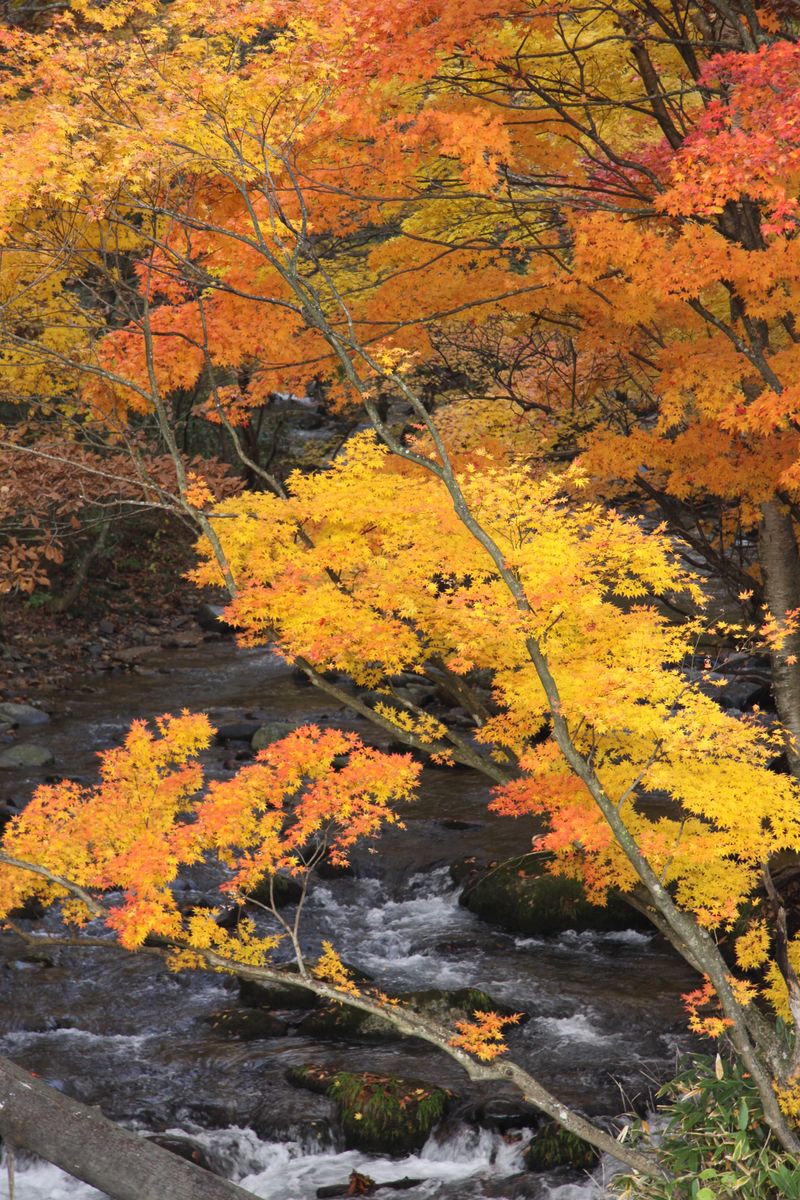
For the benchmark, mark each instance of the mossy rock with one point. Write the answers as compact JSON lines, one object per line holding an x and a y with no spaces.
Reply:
{"x":288,"y":994}
{"x":285,"y":890}
{"x":333,"y":1021}
{"x":269,"y":732}
{"x":380,"y":1114}
{"x":445,"y":1007}
{"x":26,"y":754}
{"x":247,"y":1026}
{"x":275,"y":995}
{"x":554,"y":1146}
{"x":523,"y":897}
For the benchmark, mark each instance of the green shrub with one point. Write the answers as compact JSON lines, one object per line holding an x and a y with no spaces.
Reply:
{"x":716,"y":1144}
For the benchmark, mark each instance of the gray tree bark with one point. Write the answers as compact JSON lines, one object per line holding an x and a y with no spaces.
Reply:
{"x":84,"y":1143}
{"x":780,"y":562}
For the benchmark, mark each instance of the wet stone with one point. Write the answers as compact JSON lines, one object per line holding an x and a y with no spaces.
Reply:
{"x":275,"y":995}
{"x":502,"y":1114}
{"x":283,"y":996}
{"x":186,"y":1147}
{"x":22,"y":714}
{"x":237,"y":731}
{"x":248,"y":1026}
{"x":25,"y":755}
{"x":309,"y":1119}
{"x":209,"y":617}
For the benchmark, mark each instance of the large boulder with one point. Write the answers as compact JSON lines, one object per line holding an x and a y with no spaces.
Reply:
{"x":26,"y":754}
{"x":22,"y":714}
{"x":380,"y":1114}
{"x":522,"y":896}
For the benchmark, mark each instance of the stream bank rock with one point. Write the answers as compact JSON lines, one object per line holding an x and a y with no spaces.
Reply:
{"x":380,"y":1114}
{"x":521,"y":896}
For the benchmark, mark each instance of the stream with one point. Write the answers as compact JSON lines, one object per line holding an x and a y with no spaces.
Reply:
{"x":123,"y":1033}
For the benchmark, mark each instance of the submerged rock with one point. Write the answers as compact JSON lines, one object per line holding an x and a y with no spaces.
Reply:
{"x":25,"y":755}
{"x":520,"y":895}
{"x":380,"y":1114}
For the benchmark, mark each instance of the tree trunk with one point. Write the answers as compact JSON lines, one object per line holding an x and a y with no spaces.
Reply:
{"x":780,"y":562}
{"x":84,"y":1143}
{"x":70,"y":596}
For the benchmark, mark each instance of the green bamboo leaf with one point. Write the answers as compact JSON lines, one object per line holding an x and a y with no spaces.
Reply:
{"x":744,"y":1115}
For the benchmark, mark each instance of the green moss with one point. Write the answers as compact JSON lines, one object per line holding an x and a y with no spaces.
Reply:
{"x":522,"y":896}
{"x":554,"y":1146}
{"x":380,"y":1114}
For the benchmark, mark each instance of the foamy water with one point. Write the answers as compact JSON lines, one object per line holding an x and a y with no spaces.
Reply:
{"x":454,"y":1166}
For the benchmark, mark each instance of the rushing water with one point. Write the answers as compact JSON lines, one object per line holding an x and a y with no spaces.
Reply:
{"x":123,"y":1033}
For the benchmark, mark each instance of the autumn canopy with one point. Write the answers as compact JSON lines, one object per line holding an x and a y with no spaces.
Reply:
{"x":540,"y":261}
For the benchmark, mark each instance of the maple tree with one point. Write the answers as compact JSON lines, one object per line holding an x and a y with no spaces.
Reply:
{"x":299,"y":803}
{"x":537,"y":167}
{"x":565,"y":230}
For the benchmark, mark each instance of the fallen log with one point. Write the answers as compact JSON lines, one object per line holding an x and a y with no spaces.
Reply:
{"x":82,"y":1142}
